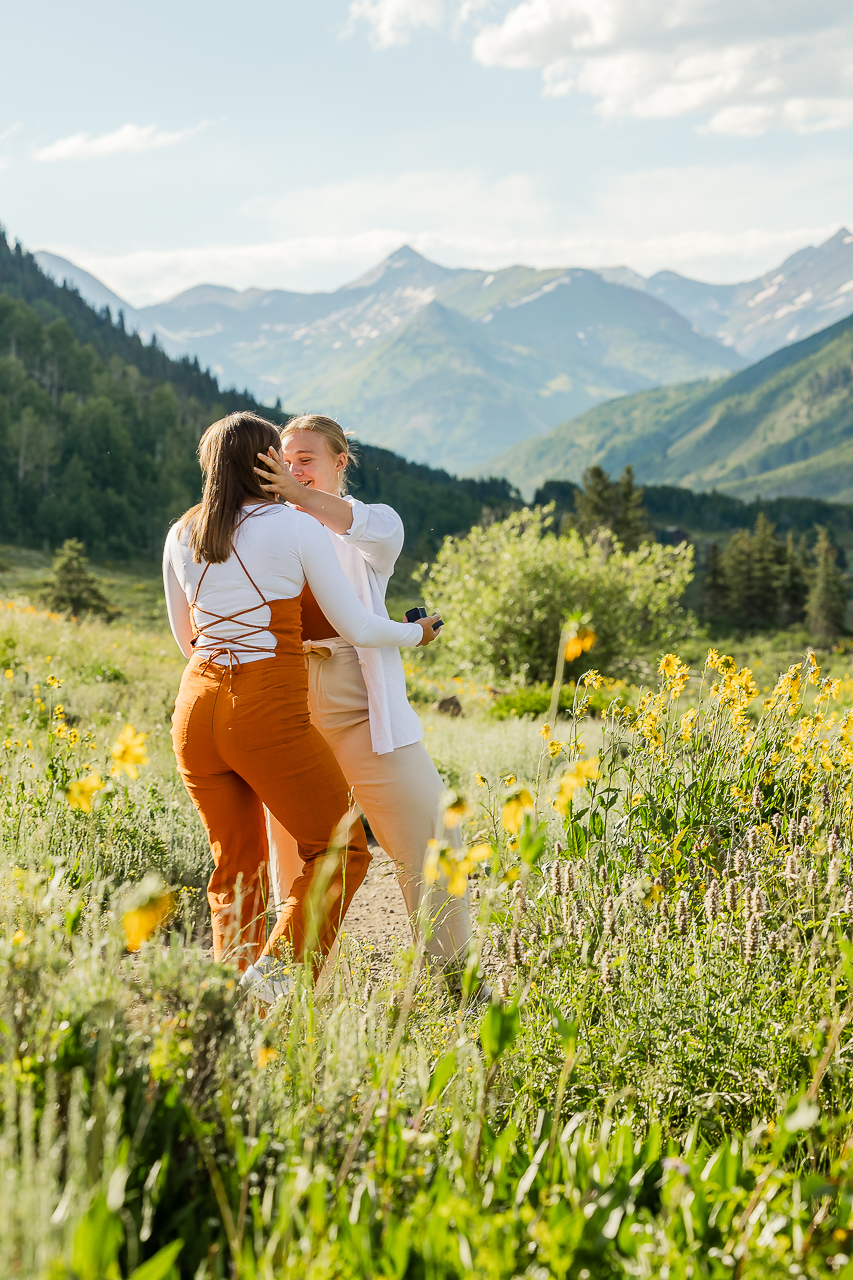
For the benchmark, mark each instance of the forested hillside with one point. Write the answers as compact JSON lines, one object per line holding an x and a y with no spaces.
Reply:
{"x":783,"y":426}
{"x":98,"y":432}
{"x":672,"y":511}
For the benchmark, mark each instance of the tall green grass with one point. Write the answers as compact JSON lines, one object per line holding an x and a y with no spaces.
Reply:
{"x":659,"y":1085}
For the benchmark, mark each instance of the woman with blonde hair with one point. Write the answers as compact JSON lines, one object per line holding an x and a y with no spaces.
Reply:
{"x":357,"y":695}
{"x":234,"y":569}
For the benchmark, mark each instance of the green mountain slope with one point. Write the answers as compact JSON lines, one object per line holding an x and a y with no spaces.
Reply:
{"x":98,"y":433}
{"x":809,"y":290}
{"x":783,"y":426}
{"x":450,"y":390}
{"x":449,"y":366}
{"x":443,"y":391}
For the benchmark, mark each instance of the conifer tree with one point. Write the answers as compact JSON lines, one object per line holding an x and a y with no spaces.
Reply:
{"x":752,"y":575}
{"x":793,"y":586}
{"x":73,"y":588}
{"x":596,"y":503}
{"x":630,"y":524}
{"x":610,"y":504}
{"x":737,"y":572}
{"x":766,"y":576}
{"x":714,"y":594}
{"x":827,"y":599}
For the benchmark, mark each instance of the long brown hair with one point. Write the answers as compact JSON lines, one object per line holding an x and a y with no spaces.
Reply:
{"x":228,"y":453}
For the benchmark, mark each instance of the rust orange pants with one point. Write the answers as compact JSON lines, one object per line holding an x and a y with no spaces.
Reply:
{"x":243,"y":739}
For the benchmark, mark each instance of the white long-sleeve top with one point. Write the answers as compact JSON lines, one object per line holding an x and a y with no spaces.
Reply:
{"x":368,"y":552}
{"x":282,"y":549}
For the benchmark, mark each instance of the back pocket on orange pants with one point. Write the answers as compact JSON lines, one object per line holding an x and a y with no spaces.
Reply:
{"x":272,"y":712}
{"x":185,"y":704}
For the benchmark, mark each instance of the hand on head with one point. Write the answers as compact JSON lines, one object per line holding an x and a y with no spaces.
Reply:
{"x":276,"y":478}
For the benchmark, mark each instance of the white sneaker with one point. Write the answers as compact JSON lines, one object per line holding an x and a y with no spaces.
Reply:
{"x":268,"y":980}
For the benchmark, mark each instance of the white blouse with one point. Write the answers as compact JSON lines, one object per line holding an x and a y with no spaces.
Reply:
{"x":368,"y":552}
{"x":282,"y":549}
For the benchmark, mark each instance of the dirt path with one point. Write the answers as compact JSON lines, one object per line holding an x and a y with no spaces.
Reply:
{"x":377,"y":913}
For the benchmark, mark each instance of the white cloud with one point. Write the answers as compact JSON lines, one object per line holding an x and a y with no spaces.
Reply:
{"x":424,"y":200}
{"x":130,"y":138}
{"x":706,"y":221}
{"x":308,"y":263}
{"x":746,"y":65}
{"x":392,"y":21}
{"x":804,"y":115}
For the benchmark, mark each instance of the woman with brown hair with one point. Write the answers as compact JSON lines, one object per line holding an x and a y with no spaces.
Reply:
{"x":234,"y":568}
{"x":357,"y":695}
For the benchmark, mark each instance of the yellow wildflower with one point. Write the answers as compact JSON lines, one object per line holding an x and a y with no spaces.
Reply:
{"x":593,"y":680}
{"x":9,"y":674}
{"x":457,"y":882}
{"x":513,"y":813}
{"x":509,"y":780}
{"x":555,"y":747}
{"x":54,"y":683}
{"x":582,"y":772}
{"x":581,"y":643}
{"x":827,"y":764}
{"x":432,"y":864}
{"x":712,"y":659}
{"x":59,"y":712}
{"x":266,"y":1055}
{"x":545,"y":732}
{"x":142,"y":922}
{"x":128,"y":752}
{"x":8,"y":744}
{"x":453,"y":865}
{"x":456,"y":809}
{"x":688,"y":720}
{"x":81,"y":792}
{"x":479,"y":779}
{"x":73,"y":737}
{"x":675,"y":673}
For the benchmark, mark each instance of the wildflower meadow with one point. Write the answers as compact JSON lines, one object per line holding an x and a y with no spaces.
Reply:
{"x":643,"y":1068}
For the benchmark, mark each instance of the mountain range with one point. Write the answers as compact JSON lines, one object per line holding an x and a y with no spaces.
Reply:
{"x":784,"y":426}
{"x":447,"y":366}
{"x":99,"y":432}
{"x":807,"y":292}
{"x":455,"y":367}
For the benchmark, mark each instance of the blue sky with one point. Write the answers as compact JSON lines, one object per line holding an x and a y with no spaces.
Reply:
{"x":294,"y":144}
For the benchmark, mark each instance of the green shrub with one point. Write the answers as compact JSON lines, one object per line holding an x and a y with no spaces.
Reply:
{"x":505,"y":590}
{"x":534,"y":700}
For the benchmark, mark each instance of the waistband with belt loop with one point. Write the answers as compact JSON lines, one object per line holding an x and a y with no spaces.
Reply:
{"x":326,"y":648}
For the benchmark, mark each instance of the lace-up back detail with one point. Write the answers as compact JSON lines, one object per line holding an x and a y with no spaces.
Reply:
{"x":241,"y":635}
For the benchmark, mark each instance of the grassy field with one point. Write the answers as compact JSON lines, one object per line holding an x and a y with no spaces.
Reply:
{"x":660,"y":1085}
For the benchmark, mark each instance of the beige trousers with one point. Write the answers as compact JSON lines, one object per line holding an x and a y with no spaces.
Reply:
{"x":400,"y":793}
